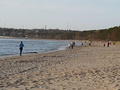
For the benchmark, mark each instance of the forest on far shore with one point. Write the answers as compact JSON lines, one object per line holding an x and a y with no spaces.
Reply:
{"x":111,"y":34}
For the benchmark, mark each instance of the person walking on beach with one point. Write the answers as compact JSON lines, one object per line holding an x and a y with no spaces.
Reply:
{"x":108,"y":44}
{"x":21,"y":47}
{"x":72,"y":44}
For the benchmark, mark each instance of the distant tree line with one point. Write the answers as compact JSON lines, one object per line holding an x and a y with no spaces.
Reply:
{"x":39,"y":33}
{"x":112,"y":34}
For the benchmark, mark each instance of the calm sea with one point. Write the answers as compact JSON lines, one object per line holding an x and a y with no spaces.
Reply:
{"x":10,"y":47}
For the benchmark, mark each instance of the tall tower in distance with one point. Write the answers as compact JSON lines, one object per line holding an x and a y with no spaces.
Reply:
{"x":67,"y":25}
{"x":45,"y":27}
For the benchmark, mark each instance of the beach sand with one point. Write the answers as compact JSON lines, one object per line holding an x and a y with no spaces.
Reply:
{"x":83,"y":68}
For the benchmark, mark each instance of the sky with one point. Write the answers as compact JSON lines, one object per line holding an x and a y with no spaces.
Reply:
{"x":60,"y":14}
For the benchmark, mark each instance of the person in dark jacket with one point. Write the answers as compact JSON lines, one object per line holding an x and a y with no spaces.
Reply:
{"x":21,"y":47}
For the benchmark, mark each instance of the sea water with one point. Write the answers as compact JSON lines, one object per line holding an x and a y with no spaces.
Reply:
{"x":10,"y":47}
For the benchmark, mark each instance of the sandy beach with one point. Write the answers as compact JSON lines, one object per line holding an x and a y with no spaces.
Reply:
{"x":83,"y":68}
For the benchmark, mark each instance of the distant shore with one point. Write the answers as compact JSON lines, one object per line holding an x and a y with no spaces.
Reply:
{"x":6,"y":37}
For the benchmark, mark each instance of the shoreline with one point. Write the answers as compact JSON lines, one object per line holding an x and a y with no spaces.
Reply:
{"x":38,"y":53}
{"x":30,"y":53}
{"x":58,"y":49}
{"x":6,"y":37}
{"x":37,"y":49}
{"x":83,"y":68}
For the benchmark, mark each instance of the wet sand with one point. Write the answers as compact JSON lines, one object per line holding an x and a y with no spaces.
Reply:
{"x":82,"y":68}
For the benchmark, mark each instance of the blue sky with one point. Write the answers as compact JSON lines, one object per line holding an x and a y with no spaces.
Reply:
{"x":61,"y":14}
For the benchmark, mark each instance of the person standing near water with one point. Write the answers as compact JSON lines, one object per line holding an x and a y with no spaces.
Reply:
{"x":21,"y":47}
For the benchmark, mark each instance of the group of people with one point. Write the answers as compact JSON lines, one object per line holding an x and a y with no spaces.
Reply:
{"x":71,"y":45}
{"x":108,"y":44}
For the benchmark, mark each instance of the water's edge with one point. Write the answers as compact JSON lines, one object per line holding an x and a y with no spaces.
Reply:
{"x":10,"y":47}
